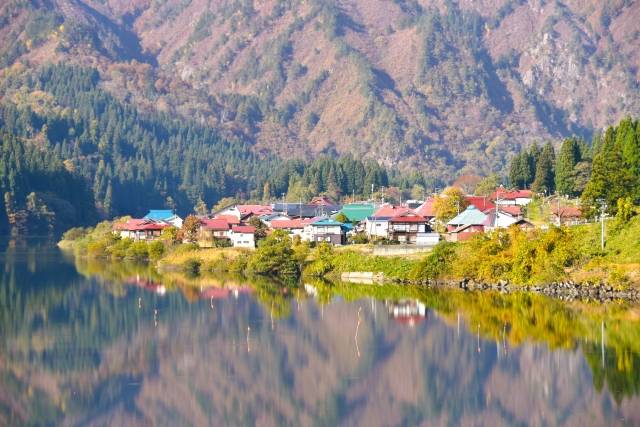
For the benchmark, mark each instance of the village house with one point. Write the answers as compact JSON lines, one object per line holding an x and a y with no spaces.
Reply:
{"x":230,"y":219}
{"x":244,"y":212}
{"x":500,"y":219}
{"x":505,"y":197}
{"x":406,"y":227}
{"x":295,"y":227}
{"x":140,"y":229}
{"x":567,"y":215}
{"x":322,"y":201}
{"x":275,"y":216}
{"x":304,"y":210}
{"x":357,"y":212}
{"x":378,"y":224}
{"x":426,"y":210}
{"x":212,"y":230}
{"x":326,"y":230}
{"x":481,"y":203}
{"x":470,"y":222}
{"x":243,"y":236}
{"x":165,"y":215}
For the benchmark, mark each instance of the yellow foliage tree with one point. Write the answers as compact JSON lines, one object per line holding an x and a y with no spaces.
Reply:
{"x":447,"y":204}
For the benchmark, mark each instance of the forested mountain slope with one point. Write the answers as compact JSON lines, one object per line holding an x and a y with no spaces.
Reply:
{"x":447,"y":86}
{"x":71,"y":152}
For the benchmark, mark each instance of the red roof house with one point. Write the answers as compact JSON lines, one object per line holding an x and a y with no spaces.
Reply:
{"x":567,"y":215}
{"x":214,"y":229}
{"x":322,"y":201}
{"x":426,"y":209}
{"x":247,"y":211}
{"x":390,"y":211}
{"x":480,"y":202}
{"x":215,"y":224}
{"x":140,"y":229}
{"x":230,"y":219}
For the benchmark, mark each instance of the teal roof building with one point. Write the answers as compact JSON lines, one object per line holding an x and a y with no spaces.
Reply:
{"x":470,"y":216}
{"x":357,"y":212}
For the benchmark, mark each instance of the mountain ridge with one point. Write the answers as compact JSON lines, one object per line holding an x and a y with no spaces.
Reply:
{"x":442,"y":86}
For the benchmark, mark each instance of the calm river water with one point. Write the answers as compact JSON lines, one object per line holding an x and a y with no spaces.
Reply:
{"x":96,"y":344}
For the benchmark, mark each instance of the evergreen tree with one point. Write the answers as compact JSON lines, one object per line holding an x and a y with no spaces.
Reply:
{"x":628,"y":139}
{"x":568,"y":158}
{"x":610,"y":178}
{"x":545,"y":171}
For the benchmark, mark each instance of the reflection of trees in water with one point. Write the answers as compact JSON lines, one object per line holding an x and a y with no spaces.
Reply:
{"x":102,"y":346}
{"x":621,"y":370}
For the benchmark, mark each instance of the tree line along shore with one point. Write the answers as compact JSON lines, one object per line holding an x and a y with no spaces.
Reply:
{"x":520,"y":258}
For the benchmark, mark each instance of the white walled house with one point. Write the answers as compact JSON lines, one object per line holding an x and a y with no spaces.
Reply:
{"x":243,"y":236}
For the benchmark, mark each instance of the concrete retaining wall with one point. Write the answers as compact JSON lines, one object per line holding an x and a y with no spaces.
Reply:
{"x":364,"y":277}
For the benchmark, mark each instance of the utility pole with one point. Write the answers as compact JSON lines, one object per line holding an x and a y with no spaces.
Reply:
{"x":283,"y":205}
{"x":603,"y":209}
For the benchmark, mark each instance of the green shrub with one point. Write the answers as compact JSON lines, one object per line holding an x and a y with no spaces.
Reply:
{"x":120,"y":248}
{"x":322,"y":260}
{"x":155,"y":249}
{"x":97,"y":248}
{"x":138,"y":250}
{"x":437,"y":263}
{"x":75,"y":233}
{"x":238,"y":264}
{"x":192,"y":266}
{"x":222,"y":243}
{"x":358,"y":238}
{"x":274,"y":256}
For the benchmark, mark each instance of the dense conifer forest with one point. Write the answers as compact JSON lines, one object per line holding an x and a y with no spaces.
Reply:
{"x":607,"y":171}
{"x":72,"y":153}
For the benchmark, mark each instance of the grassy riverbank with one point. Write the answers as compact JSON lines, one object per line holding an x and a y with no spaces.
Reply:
{"x":539,"y":257}
{"x":521,"y":258}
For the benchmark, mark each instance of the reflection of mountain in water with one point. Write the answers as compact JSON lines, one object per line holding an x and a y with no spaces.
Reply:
{"x":75,"y":352}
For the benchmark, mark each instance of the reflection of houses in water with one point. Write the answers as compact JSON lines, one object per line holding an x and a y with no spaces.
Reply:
{"x":147,"y":284}
{"x":224,"y":293}
{"x":311,"y":290}
{"x":408,"y":312}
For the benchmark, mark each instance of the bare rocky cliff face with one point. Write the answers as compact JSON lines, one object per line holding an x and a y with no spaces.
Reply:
{"x":448,"y":87}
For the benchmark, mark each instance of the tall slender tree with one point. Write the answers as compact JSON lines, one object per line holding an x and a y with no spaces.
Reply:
{"x":545,"y":171}
{"x":568,"y":158}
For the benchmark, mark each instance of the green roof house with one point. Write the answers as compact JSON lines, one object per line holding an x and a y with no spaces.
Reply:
{"x":357,"y":212}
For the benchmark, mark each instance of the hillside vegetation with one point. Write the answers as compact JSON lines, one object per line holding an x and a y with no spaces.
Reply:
{"x":449,"y":85}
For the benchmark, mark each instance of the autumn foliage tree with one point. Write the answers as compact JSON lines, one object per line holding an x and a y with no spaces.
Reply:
{"x":190,"y":228}
{"x":447,"y":204}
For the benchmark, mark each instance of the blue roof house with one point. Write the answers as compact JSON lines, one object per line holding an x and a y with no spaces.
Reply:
{"x":164,"y":215}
